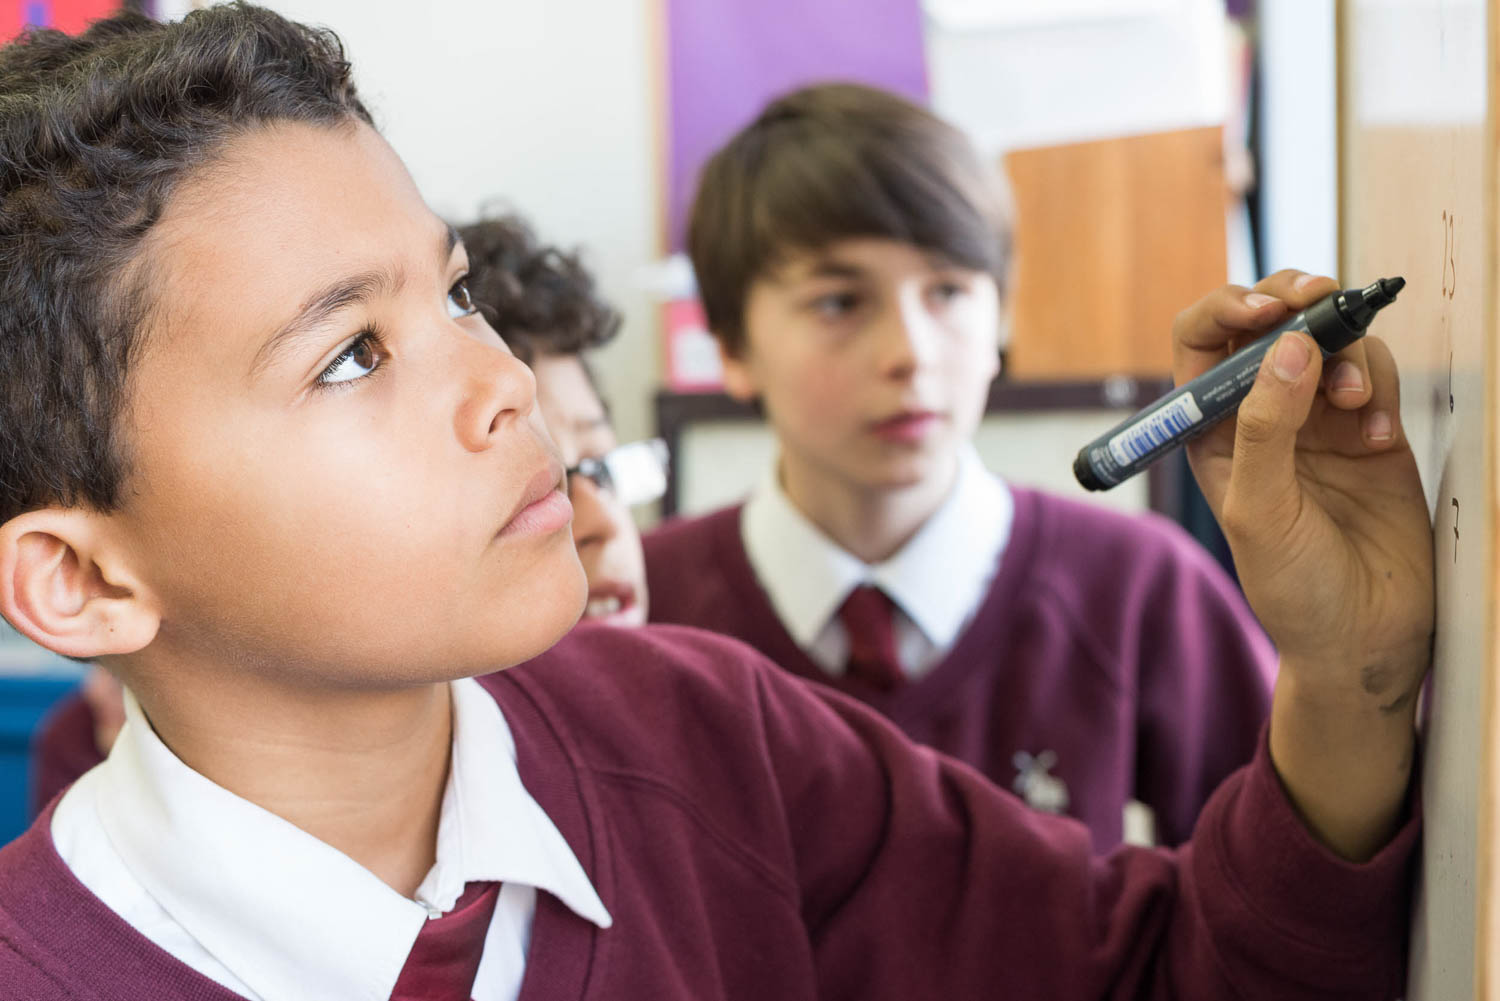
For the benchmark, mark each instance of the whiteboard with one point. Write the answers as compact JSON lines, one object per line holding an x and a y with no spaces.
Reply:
{"x":1416,"y":199}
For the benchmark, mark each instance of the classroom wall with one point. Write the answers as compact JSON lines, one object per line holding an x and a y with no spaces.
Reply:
{"x":1299,"y":136}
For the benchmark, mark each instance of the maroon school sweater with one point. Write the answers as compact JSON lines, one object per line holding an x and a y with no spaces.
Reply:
{"x":63,"y":749}
{"x":1113,"y":642}
{"x":757,"y":838}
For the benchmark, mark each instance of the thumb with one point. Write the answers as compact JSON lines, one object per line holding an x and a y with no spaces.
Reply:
{"x":1263,"y":494}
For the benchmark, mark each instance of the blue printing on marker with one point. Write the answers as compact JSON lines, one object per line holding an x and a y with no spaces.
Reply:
{"x":1158,"y":430}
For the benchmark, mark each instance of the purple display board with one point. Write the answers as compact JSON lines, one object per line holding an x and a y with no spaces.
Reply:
{"x":726,"y":58}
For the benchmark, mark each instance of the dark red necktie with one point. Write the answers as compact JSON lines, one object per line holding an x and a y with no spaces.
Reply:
{"x":869,"y":620}
{"x":445,"y":958}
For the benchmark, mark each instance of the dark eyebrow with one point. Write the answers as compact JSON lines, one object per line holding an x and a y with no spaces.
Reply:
{"x":448,"y":242}
{"x":827,"y":267}
{"x":338,"y":295}
{"x":939,"y":261}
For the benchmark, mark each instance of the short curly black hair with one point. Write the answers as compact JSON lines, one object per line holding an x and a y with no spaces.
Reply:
{"x":541,"y":299}
{"x":96,"y":132}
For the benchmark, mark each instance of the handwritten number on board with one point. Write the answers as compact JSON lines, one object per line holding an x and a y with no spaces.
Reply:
{"x":1450,"y":266}
{"x":1455,"y":529}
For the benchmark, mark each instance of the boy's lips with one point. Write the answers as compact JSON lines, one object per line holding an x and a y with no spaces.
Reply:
{"x":906,"y":426}
{"x":543,"y":507}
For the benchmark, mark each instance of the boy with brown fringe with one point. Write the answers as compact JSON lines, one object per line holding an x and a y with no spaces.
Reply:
{"x":852,"y":250}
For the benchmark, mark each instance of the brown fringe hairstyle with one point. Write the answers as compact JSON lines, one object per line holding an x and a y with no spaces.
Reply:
{"x":833,"y":162}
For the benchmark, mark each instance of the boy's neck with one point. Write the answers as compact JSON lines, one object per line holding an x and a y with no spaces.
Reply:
{"x":870,"y":524}
{"x":364,"y":772}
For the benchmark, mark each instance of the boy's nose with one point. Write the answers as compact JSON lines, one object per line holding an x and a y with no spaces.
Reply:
{"x":908,"y":340}
{"x":497,"y":388}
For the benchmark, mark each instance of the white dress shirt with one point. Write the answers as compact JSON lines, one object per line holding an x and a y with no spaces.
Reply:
{"x":937,"y":580}
{"x":274,"y":914}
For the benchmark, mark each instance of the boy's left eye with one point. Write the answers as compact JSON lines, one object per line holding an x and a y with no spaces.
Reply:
{"x":460,"y":302}
{"x":948,"y":291}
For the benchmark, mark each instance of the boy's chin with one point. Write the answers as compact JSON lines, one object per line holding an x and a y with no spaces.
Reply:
{"x":506,"y":631}
{"x":536,"y":629}
{"x":904,"y":472}
{"x":520,"y":644}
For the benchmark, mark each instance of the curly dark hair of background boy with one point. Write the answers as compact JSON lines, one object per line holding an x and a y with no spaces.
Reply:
{"x":539,"y":298}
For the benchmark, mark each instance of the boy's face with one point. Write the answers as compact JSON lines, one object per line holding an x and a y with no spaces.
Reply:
{"x":609,"y":545}
{"x":872,"y":359}
{"x":339,"y":472}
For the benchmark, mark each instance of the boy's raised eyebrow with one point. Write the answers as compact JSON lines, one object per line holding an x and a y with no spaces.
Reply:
{"x":449,"y":240}
{"x":827,"y":267}
{"x":337,"y":295}
{"x":939,"y":261}
{"x":819,"y":267}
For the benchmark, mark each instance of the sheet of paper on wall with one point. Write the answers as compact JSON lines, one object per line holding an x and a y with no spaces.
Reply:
{"x":979,"y":15}
{"x":1021,"y":75}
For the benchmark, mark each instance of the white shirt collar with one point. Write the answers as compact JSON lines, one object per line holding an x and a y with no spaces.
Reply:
{"x":804,"y":573}
{"x":938,"y":579}
{"x":293,"y":917}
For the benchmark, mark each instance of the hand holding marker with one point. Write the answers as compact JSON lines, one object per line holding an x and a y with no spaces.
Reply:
{"x":1334,"y":322}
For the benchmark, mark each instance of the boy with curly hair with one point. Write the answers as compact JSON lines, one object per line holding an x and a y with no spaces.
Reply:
{"x":264,"y":461}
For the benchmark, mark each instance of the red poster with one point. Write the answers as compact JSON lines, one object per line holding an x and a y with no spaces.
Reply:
{"x":71,"y":16}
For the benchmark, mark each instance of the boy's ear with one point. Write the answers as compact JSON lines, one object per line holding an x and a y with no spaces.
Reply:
{"x":738,"y":382}
{"x":64,"y":587}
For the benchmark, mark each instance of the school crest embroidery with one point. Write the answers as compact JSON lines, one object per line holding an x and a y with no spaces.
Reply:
{"x":1039,"y":789}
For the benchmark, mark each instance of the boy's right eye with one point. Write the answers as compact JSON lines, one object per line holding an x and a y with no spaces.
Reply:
{"x":834,"y":305}
{"x":356,"y":361}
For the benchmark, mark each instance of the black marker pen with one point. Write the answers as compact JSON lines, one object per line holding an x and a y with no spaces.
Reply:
{"x":1334,"y":322}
